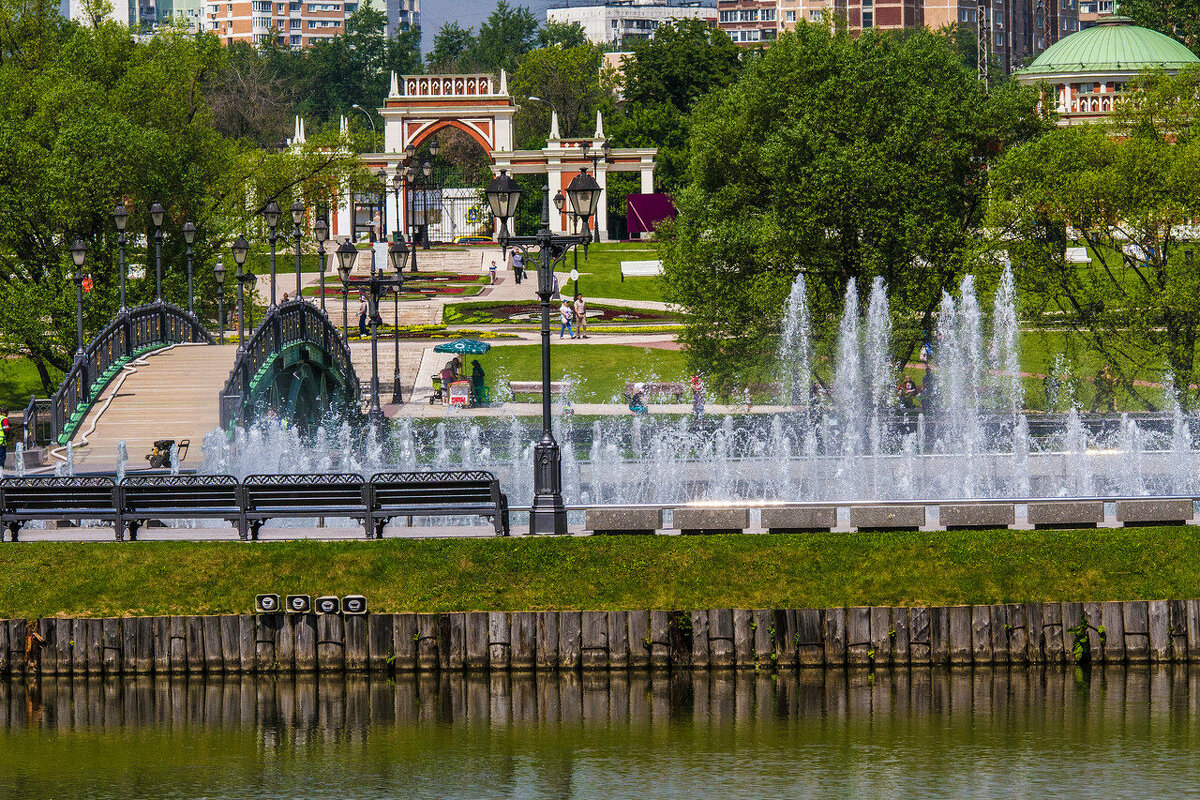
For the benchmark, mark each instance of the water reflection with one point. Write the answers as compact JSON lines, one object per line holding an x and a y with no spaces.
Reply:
{"x":921,"y":733}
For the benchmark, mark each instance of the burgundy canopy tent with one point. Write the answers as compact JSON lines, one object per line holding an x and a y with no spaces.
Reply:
{"x":644,"y":211}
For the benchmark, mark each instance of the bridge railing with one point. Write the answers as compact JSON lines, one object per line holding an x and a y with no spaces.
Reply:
{"x":294,"y":322}
{"x":133,"y":332}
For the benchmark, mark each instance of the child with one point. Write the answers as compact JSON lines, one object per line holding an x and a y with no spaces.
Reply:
{"x":492,"y":270}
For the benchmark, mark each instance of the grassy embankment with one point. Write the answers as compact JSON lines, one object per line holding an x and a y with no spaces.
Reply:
{"x":818,"y":570}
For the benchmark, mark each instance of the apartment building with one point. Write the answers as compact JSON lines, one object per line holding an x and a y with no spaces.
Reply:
{"x":296,"y":23}
{"x":1016,"y":30}
{"x":615,"y":21}
{"x":144,"y":15}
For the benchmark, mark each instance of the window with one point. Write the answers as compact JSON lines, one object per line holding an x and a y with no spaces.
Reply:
{"x":294,"y":24}
{"x":325,"y":7}
{"x":999,"y":40}
{"x":726,"y":16}
{"x":789,"y":16}
{"x":262,"y":23}
{"x":868,"y":19}
{"x":769,"y":34}
{"x":260,"y":5}
{"x":293,"y":6}
{"x":768,"y":15}
{"x":1105,"y":6}
{"x":296,"y":41}
{"x":1087,"y":8}
{"x":814,"y":14}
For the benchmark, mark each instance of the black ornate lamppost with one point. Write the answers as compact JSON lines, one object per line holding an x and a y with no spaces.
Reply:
{"x":78,"y":255}
{"x":427,"y":192}
{"x":376,"y":285}
{"x":346,"y":254}
{"x":397,"y":255}
{"x":271,"y":216}
{"x":410,"y":182}
{"x":241,"y":248}
{"x":219,"y":274}
{"x":297,"y":218}
{"x":381,"y":176}
{"x":156,"y":216}
{"x":549,"y":515}
{"x":321,"y":232}
{"x":121,"y":219}
{"x":595,"y":154}
{"x":189,"y":237}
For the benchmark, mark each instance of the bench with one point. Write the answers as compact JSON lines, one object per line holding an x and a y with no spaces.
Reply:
{"x":641,"y":269}
{"x":654,"y":390}
{"x":54,"y":498}
{"x":267,"y":497}
{"x":160,"y":497}
{"x":1076,"y":255}
{"x":437,"y":494}
{"x":535,"y":387}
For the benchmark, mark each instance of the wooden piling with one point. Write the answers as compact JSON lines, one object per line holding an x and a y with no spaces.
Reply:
{"x":404,"y":642}
{"x":639,"y":638}
{"x":546,"y":657}
{"x":357,"y":647}
{"x":570,"y":640}
{"x":331,"y":643}
{"x":700,"y":651}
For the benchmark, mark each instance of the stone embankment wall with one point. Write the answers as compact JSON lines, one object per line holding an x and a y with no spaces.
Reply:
{"x":723,"y":638}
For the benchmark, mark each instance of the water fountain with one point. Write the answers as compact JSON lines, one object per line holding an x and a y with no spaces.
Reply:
{"x":970,"y":440}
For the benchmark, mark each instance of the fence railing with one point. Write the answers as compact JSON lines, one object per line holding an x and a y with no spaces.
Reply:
{"x":37,"y":423}
{"x":291,"y":323}
{"x":133,"y":332}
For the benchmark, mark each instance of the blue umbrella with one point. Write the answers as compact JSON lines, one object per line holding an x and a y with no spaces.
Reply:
{"x":470,"y":346}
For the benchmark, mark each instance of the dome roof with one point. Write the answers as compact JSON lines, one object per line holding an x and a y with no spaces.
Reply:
{"x":1114,"y":44}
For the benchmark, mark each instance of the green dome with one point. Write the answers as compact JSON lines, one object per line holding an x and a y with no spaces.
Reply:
{"x":1114,"y":44}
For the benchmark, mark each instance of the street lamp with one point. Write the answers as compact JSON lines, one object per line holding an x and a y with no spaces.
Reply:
{"x":346,"y":255}
{"x":297,"y":218}
{"x":595,"y":154}
{"x":156,"y":216}
{"x":271,"y":216}
{"x":78,"y":255}
{"x":321,"y":231}
{"x":121,"y":219}
{"x":549,"y":515}
{"x":410,"y":181}
{"x":240,"y":250}
{"x":219,"y":274}
{"x":397,"y":256}
{"x":428,"y":188}
{"x":189,"y":236}
{"x":370,"y":119}
{"x":381,"y":176}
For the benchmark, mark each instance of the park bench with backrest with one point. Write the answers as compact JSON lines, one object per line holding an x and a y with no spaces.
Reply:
{"x":267,"y":497}
{"x":657,"y":389}
{"x":640,"y":269}
{"x":163,"y":497}
{"x":535,"y":387}
{"x":437,"y":494}
{"x":51,"y":499}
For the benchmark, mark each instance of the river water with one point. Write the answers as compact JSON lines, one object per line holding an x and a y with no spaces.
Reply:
{"x":928,"y":733}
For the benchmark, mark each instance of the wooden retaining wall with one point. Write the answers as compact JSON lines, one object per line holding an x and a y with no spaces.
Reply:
{"x":1131,"y":632}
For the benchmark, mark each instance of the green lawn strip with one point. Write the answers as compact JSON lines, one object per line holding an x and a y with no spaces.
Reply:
{"x":599,"y":371}
{"x":18,"y":380}
{"x":501,"y":313}
{"x":600,"y":272}
{"x":740,"y":571}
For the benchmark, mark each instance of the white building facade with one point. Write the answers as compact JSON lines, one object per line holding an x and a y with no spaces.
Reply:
{"x":615,"y":21}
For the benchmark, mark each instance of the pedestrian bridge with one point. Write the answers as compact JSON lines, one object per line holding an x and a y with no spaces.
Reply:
{"x":154,"y":374}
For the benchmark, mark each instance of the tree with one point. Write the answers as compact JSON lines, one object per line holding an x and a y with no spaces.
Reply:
{"x":1177,"y":18}
{"x":563,"y":34}
{"x":565,"y":78}
{"x":663,"y":79}
{"x":1129,"y":192}
{"x":844,"y":157}
{"x":92,"y":117}
{"x":507,"y":34}
{"x":452,"y":45}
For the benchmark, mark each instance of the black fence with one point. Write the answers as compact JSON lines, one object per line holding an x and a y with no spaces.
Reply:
{"x":294,"y":322}
{"x":133,"y":332}
{"x":138,"y":499}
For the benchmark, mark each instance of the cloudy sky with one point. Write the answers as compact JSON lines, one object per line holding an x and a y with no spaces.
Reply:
{"x":468,"y":13}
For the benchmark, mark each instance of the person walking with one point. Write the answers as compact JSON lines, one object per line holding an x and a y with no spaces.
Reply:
{"x":5,"y":427}
{"x":492,"y":271}
{"x":518,"y":262}
{"x":580,"y":316}
{"x":362,"y":316}
{"x":567,"y":313}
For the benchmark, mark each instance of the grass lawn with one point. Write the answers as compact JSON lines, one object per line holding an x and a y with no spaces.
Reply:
{"x":740,"y":571}
{"x":600,"y":274}
{"x":599,"y":370}
{"x":18,"y":380}
{"x":529,"y":312}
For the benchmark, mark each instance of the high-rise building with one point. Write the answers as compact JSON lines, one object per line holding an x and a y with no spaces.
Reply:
{"x":615,"y":21}
{"x":145,"y":15}
{"x":1014,"y":31}
{"x":296,"y":23}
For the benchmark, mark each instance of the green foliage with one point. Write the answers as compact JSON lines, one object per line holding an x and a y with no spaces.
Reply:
{"x":567,"y":79}
{"x":846,"y":157}
{"x":664,"y":77}
{"x":451,"y":44}
{"x":507,"y":34}
{"x":1128,"y":191}
{"x":562,"y":34}
{"x":90,"y":117}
